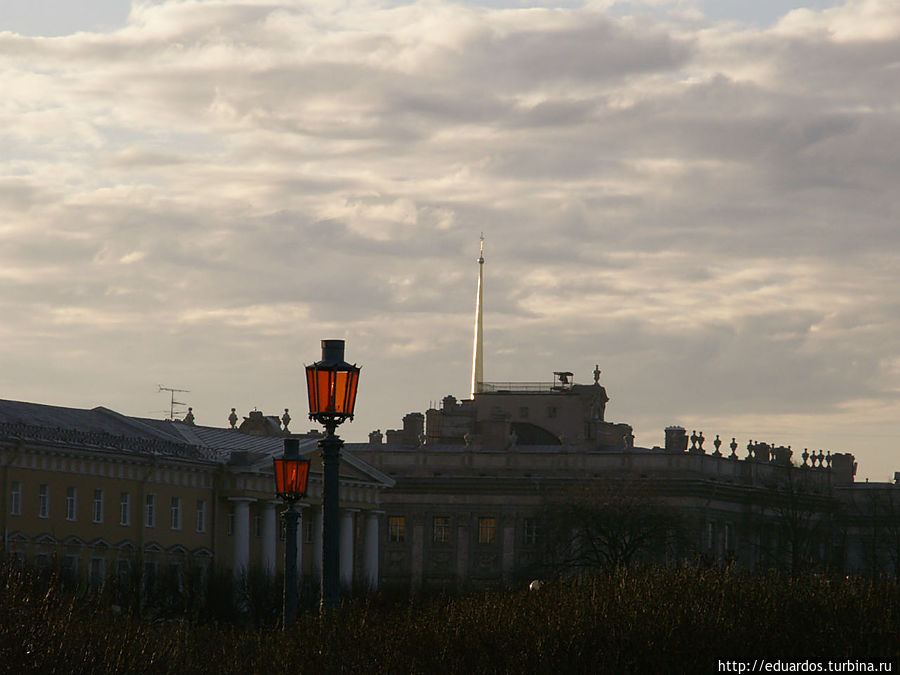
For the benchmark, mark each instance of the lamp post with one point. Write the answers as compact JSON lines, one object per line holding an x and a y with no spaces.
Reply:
{"x":291,"y":474}
{"x":331,"y":384}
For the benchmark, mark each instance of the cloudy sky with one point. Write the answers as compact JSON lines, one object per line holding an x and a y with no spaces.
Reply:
{"x":700,"y":197}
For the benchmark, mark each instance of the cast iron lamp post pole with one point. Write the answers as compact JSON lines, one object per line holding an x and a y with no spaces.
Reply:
{"x":331,"y":384}
{"x":331,"y":524}
{"x":289,"y":610}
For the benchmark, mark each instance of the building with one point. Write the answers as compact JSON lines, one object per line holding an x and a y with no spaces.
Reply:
{"x":99,"y":492}
{"x":483,"y":484}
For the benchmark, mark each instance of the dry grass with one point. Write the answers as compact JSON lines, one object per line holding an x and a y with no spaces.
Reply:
{"x":630,"y":620}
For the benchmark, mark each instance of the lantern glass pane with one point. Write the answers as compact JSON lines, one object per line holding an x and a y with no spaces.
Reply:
{"x":279,"y":476}
{"x":351,"y":397}
{"x":325,"y":391}
{"x":311,"y":389}
{"x":340,"y":391}
{"x":295,"y":480}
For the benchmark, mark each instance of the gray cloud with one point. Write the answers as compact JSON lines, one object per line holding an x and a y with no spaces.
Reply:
{"x":708,"y":210}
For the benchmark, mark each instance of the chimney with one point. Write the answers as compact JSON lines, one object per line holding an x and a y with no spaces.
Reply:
{"x":676,"y":439}
{"x":843,"y":468}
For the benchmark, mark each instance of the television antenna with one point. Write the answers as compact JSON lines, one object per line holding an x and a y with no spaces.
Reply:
{"x":172,"y":401}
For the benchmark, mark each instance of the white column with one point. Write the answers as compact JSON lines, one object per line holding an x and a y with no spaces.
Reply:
{"x":241,"y":560}
{"x":269,"y":536}
{"x":347,"y":532}
{"x":371,"y":551}
{"x":317,"y":543}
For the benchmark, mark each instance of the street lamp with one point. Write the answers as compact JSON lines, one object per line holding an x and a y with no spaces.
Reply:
{"x":331,"y":384}
{"x":291,"y":474}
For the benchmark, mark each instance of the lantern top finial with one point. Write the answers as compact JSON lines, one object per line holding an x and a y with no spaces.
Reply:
{"x":332,"y":352}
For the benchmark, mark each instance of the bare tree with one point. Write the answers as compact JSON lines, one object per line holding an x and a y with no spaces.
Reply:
{"x":876,"y":515}
{"x":804,"y":516}
{"x":611,"y":523}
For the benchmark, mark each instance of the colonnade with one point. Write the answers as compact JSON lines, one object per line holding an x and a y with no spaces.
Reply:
{"x":269,"y":513}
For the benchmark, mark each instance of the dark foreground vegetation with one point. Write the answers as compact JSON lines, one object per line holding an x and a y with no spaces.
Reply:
{"x":626,"y":620}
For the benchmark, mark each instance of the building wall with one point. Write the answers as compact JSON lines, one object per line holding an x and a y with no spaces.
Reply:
{"x":58,"y":539}
{"x":757,"y":512}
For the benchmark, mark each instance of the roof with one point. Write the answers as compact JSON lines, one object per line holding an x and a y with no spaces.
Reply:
{"x":103,"y":429}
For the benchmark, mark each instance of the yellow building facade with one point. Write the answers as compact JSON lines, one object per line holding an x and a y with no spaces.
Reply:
{"x":97,"y":493}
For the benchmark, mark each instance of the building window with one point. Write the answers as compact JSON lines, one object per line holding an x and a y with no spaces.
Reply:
{"x":69,"y":567}
{"x":97,"y":573}
{"x":532,"y":532}
{"x":71,"y":503}
{"x":15,"y":507}
{"x":229,"y":523}
{"x":150,"y":515}
{"x":149,"y":577}
{"x":125,"y":509}
{"x":487,"y":530}
{"x":97,"y":511}
{"x":176,"y":513}
{"x":44,"y":501}
{"x":42,"y":562}
{"x":123,"y":571}
{"x":201,"y":515}
{"x":441,"y":533}
{"x":551,"y":411}
{"x":176,"y":574}
{"x":396,"y":529}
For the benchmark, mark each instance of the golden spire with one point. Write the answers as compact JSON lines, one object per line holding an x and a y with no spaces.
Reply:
{"x":477,"y":351}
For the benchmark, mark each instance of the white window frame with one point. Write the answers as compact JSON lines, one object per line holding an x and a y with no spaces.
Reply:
{"x":532,"y":531}
{"x":440,"y":530}
{"x":397,"y":529}
{"x":15,"y":506}
{"x":125,"y":508}
{"x":72,"y":504}
{"x":44,"y":501}
{"x":487,"y":530}
{"x":70,"y":564}
{"x":97,"y":511}
{"x":201,"y":515}
{"x":97,"y":573}
{"x":176,"y":513}
{"x":150,"y":510}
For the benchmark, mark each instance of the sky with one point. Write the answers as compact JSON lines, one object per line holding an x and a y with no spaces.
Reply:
{"x":699,"y":197}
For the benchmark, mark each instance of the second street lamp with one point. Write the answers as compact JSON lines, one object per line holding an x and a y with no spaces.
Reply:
{"x":331,"y":384}
{"x":291,"y":474}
